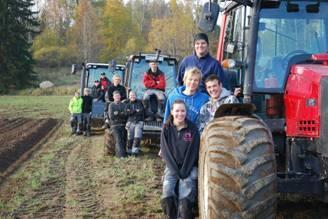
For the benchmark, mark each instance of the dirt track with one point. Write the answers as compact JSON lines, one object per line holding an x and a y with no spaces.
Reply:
{"x":69,"y":177}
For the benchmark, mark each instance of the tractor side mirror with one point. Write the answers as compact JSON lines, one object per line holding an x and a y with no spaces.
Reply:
{"x":73,"y":70}
{"x":209,"y":17}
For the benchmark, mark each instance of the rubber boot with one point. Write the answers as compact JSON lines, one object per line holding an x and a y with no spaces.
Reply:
{"x":160,"y":111}
{"x":148,"y":113}
{"x":185,"y":209}
{"x":169,"y":206}
{"x":136,"y":146}
{"x":129,"y":146}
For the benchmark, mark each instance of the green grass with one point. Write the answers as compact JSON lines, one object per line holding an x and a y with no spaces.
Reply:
{"x":35,"y":107}
{"x":58,"y":76}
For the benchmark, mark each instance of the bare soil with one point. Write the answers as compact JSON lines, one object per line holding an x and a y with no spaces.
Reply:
{"x":76,"y":179}
{"x":19,"y":137}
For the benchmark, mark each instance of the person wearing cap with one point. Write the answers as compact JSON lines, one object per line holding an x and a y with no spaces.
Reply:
{"x":86,"y":111}
{"x":96,"y":91}
{"x":104,"y":82}
{"x":201,"y":59}
{"x":75,"y":109}
{"x":117,"y":114}
{"x":154,"y":82}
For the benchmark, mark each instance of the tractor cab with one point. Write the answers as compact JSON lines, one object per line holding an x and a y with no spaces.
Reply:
{"x":277,"y":50}
{"x":92,"y":72}
{"x":137,"y":66}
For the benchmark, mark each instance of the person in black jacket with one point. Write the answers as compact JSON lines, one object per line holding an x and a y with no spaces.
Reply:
{"x":134,"y":126}
{"x":86,"y":111}
{"x":115,"y":86}
{"x":117,"y":118}
{"x":179,"y":149}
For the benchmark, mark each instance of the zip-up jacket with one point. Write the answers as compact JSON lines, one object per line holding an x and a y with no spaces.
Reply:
{"x":179,"y":148}
{"x":75,"y":105}
{"x":117,"y":114}
{"x":154,"y":80}
{"x":135,"y":110}
{"x":194,"y":102}
{"x":208,"y":110}
{"x":207,"y":65}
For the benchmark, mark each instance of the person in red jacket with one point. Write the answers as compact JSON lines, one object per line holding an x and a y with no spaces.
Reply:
{"x":154,"y":82}
{"x":104,"y":82}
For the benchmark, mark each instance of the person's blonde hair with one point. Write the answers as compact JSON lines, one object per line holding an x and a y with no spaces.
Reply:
{"x":86,"y":91}
{"x":116,"y":76}
{"x":192,"y":71}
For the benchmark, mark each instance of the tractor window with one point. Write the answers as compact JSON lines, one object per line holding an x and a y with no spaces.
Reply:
{"x":138,"y":70}
{"x":95,"y":71}
{"x":282,"y":35}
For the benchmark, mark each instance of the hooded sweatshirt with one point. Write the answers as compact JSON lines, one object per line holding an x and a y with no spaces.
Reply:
{"x":208,"y":110}
{"x":207,"y":65}
{"x":75,"y":105}
{"x":179,"y":148}
{"x":194,"y":102}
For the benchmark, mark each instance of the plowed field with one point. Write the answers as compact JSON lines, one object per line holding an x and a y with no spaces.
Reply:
{"x":19,"y":137}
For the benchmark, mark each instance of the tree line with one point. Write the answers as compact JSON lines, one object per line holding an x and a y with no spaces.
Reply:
{"x":63,"y":32}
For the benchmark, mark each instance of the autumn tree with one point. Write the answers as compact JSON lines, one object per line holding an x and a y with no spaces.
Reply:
{"x":121,"y":36}
{"x":173,"y":34}
{"x":17,"y":23}
{"x":86,"y":32}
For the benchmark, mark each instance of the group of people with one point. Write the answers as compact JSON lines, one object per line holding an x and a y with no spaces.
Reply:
{"x":80,"y":108}
{"x":187,"y":111}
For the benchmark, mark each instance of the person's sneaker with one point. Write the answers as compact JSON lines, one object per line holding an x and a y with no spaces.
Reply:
{"x":84,"y":133}
{"x":149,"y":118}
{"x":73,"y":132}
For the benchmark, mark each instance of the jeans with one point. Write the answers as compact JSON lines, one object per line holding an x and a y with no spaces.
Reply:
{"x":134,"y":129}
{"x":187,"y":186}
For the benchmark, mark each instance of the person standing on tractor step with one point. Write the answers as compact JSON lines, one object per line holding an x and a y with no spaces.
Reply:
{"x":190,"y":94}
{"x":179,"y":149}
{"x":154,"y":82}
{"x":86,"y":112}
{"x":104,"y":82}
{"x":134,"y":126}
{"x":219,"y":95}
{"x":75,"y":108}
{"x":202,"y":60}
{"x":115,"y":86}
{"x":117,"y":118}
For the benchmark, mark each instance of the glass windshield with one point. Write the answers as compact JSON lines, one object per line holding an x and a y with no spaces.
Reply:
{"x":284,"y":34}
{"x":95,"y":71}
{"x":140,"y":68}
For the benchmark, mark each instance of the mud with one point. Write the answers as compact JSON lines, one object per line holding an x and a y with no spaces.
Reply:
{"x":18,"y":137}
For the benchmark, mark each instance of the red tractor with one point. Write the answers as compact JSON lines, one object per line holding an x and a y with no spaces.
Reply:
{"x":276,"y":140}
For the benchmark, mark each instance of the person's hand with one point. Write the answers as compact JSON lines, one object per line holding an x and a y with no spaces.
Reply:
{"x":137,"y":110}
{"x":237,"y":91}
{"x":115,"y":113}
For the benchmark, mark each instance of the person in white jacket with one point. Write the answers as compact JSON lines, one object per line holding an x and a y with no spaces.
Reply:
{"x":218,"y":96}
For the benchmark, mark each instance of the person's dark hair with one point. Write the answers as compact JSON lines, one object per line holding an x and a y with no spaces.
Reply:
{"x":116,"y":92}
{"x":201,"y":36}
{"x":169,"y":119}
{"x":212,"y":77}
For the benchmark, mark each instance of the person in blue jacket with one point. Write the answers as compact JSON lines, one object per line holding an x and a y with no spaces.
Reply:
{"x":190,"y":94}
{"x":203,"y":61}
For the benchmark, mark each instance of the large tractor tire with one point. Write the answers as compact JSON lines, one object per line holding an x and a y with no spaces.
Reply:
{"x":237,"y":170}
{"x":109,"y":143}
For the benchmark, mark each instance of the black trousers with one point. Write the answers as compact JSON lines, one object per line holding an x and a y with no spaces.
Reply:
{"x":119,"y":134}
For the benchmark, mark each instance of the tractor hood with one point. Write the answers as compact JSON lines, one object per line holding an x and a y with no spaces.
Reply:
{"x":305,"y":100}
